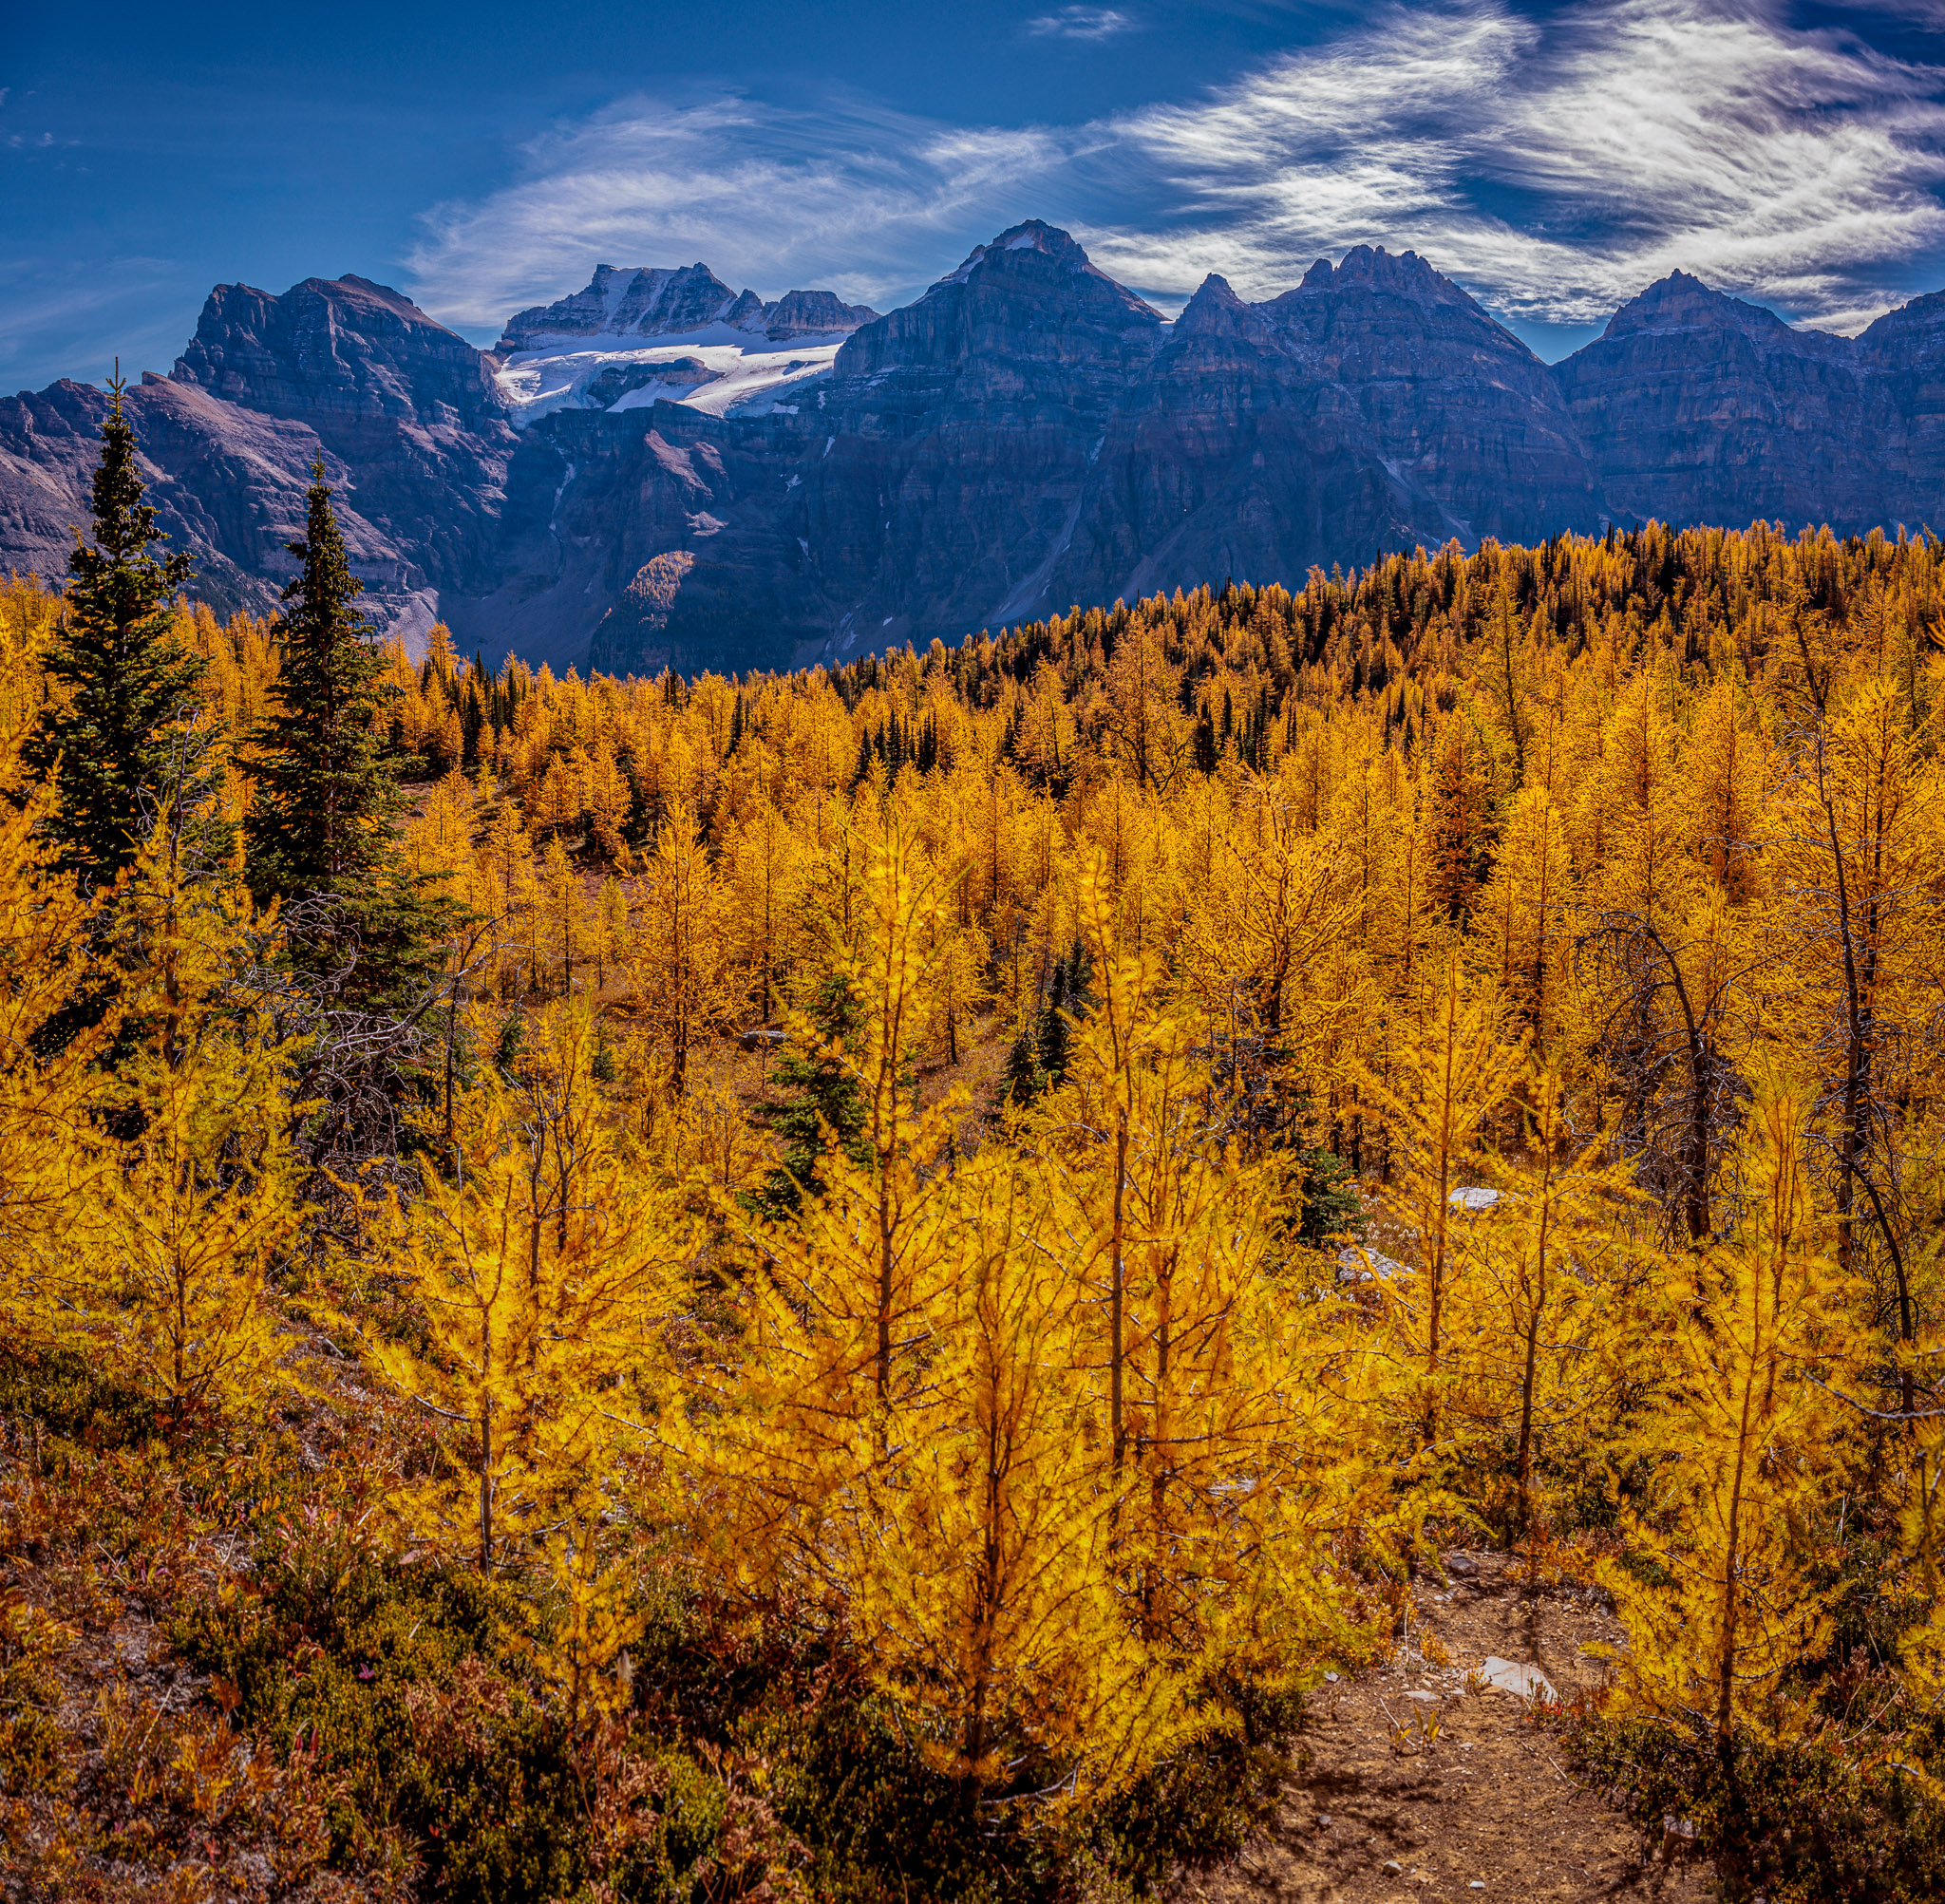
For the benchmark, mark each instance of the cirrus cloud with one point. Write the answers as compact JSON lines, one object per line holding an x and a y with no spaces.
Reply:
{"x":1554,"y":169}
{"x":851,"y":198}
{"x":1080,"y":22}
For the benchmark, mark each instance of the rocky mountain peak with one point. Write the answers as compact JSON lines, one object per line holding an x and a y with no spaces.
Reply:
{"x":1371,"y":268}
{"x":652,"y":301}
{"x":1039,"y":254}
{"x":811,"y":314}
{"x":1371,"y":295}
{"x":1913,"y":331}
{"x":1683,"y":302}
{"x":643,"y":301}
{"x":343,"y":345}
{"x":1213,"y":308}
{"x":1036,"y":235}
{"x":1031,"y":296}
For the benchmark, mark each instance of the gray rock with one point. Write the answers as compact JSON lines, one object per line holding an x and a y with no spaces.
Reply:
{"x":1357,"y":1264}
{"x":1524,"y":1680}
{"x":650,"y":302}
{"x":812,"y":314}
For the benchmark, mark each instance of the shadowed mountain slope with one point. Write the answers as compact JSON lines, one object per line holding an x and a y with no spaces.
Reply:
{"x":660,"y":470}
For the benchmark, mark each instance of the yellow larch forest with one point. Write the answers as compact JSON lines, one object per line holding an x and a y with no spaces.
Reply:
{"x":1051,"y":1179}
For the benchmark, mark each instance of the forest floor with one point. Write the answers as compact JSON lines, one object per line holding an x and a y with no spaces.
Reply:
{"x":1378,"y":1812}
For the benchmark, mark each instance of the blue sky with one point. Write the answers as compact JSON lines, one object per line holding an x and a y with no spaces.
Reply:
{"x":1552,"y":158}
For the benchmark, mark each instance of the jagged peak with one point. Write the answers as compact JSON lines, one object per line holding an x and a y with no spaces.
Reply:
{"x":802,"y":313}
{"x":1215,"y":307}
{"x":234,"y":307}
{"x":1036,"y":235}
{"x":659,"y":300}
{"x":1050,"y":241}
{"x":1371,"y":266}
{"x":1681,"y":301}
{"x":1031,"y":234}
{"x":384,"y":294}
{"x":1921,"y":318}
{"x":640,"y":300}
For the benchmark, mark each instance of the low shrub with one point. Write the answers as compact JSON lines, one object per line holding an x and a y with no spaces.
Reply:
{"x":1794,"y":1823}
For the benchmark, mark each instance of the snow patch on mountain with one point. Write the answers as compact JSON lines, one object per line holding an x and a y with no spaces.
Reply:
{"x":718,"y":368}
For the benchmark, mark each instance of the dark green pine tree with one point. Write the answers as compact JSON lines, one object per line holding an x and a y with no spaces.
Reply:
{"x":1023,"y":1080}
{"x":324,"y":826}
{"x":1206,"y":753}
{"x":821,"y":1105}
{"x":127,"y":739}
{"x":1055,"y":1036}
{"x":1326,"y":1189}
{"x":325,"y":816}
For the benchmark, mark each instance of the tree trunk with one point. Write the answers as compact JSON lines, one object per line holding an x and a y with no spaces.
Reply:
{"x":1118,"y":1433}
{"x":486,"y":1488}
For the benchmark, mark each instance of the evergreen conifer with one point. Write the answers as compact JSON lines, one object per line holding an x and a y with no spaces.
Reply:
{"x":1055,"y":1033}
{"x":823,"y":1105}
{"x":324,"y":818}
{"x":124,"y":737}
{"x":1023,"y":1080}
{"x":325,"y":822}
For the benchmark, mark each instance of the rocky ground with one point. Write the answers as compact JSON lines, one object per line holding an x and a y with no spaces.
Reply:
{"x":1422,"y":1781}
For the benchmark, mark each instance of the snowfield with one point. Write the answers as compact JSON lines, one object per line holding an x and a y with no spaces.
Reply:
{"x":716,"y":370}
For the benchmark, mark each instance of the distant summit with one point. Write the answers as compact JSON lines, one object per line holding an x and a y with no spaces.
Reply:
{"x":654,"y":302}
{"x":1044,"y":241}
{"x":1681,"y":302}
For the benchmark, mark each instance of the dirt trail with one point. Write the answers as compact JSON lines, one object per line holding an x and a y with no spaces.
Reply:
{"x":1485,"y":1808}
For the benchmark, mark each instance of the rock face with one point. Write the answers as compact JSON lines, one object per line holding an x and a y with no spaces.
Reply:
{"x":1027,"y":435}
{"x":628,"y":304}
{"x":965,"y":426}
{"x":1699,"y":408}
{"x":1902,"y":356}
{"x":1374,"y":406}
{"x":405,"y":407}
{"x":228,"y":484}
{"x":812,"y":314}
{"x":655,"y":303}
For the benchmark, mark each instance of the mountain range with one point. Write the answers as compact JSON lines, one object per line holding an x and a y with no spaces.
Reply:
{"x":661,"y":470}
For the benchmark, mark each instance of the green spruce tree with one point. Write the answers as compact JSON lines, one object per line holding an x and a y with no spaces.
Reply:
{"x":323,"y":826}
{"x":1023,"y":1080}
{"x":125,"y":733}
{"x":821,"y":1105}
{"x":325,"y":816}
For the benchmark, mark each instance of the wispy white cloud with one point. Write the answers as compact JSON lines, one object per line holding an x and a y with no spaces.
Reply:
{"x":1553,"y":170}
{"x":1556,"y":172}
{"x":854,"y":200}
{"x":1081,"y":23}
